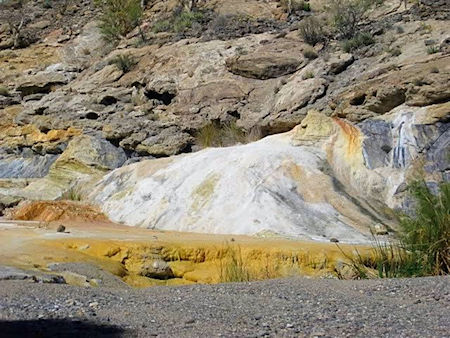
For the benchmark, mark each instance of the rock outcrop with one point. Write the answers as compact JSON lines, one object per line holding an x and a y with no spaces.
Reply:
{"x":70,"y":113}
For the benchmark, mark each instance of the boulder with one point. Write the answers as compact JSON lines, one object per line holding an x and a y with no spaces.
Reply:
{"x":263,"y":66}
{"x":157,"y":269}
{"x":339,"y":62}
{"x":40,"y":83}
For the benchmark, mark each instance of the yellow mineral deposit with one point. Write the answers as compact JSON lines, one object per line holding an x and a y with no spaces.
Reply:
{"x":128,"y":251}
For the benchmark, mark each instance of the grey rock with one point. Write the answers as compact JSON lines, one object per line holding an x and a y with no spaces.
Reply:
{"x":25,"y":166}
{"x":157,"y":269}
{"x":339,"y":62}
{"x":377,"y":143}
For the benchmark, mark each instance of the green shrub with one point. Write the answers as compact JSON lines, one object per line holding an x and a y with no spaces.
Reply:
{"x":118,"y":17}
{"x":73,"y":194}
{"x":427,"y":233}
{"x":310,"y":53}
{"x":433,"y":50}
{"x":161,"y":26}
{"x":346,"y":15}
{"x":311,"y":31}
{"x":124,"y":62}
{"x":360,"y":40}
{"x":308,"y":75}
{"x":4,"y":91}
{"x":185,"y":20}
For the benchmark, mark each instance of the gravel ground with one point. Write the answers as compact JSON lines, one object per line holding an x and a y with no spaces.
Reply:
{"x":296,"y":307}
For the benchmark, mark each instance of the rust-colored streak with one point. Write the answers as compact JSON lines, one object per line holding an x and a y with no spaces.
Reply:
{"x":352,"y":136}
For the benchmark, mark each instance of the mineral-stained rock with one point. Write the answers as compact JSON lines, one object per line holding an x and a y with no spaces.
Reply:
{"x":86,"y":158}
{"x":91,"y":152}
{"x":325,"y":179}
{"x":50,"y":211}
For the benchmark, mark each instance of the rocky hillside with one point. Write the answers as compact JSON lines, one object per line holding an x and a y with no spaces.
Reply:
{"x":370,"y":113}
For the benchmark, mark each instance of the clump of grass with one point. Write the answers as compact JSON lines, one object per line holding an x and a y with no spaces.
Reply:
{"x":360,"y":40}
{"x":423,"y":246}
{"x":73,"y":194}
{"x":185,"y":20}
{"x":310,"y":53}
{"x":311,"y":31}
{"x":161,"y":26}
{"x":215,"y":134}
{"x":4,"y":91}
{"x":427,"y":233}
{"x":123,"y":62}
{"x":308,"y":75}
{"x":179,"y":22}
{"x":232,"y":266}
{"x":433,"y":50}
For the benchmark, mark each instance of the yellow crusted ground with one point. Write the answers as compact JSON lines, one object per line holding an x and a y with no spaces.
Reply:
{"x":193,"y":258}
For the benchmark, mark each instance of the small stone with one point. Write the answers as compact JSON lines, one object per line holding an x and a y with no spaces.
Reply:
{"x":189,"y":321}
{"x":380,"y":229}
{"x":61,"y":228}
{"x":334,"y":240}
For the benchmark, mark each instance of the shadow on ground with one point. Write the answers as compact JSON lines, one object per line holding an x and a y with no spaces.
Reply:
{"x":59,"y":328}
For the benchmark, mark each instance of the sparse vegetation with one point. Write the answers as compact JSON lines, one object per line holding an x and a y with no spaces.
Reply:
{"x":425,"y":28}
{"x":186,"y":20}
{"x":215,"y":134}
{"x":181,"y":21}
{"x":72,"y":194}
{"x":232,"y":267}
{"x":161,"y":26}
{"x":310,"y":53}
{"x":308,"y":75}
{"x":15,"y":19}
{"x":426,"y":234}
{"x":118,"y":17}
{"x":399,"y":29}
{"x":4,"y":91}
{"x":311,"y":31}
{"x":360,"y":40}
{"x":123,"y":62}
{"x":423,"y":246}
{"x":346,"y":15}
{"x":433,"y":50}
{"x":395,"y":51}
